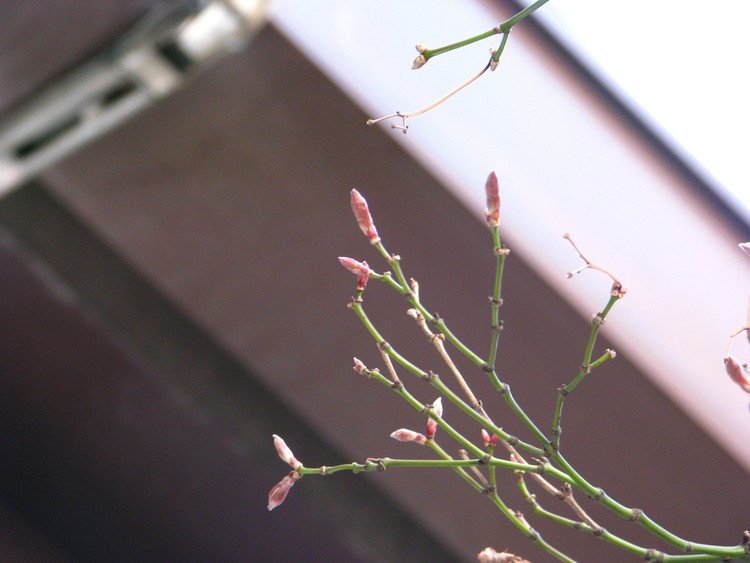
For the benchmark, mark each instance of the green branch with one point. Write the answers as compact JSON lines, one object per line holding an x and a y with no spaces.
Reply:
{"x":586,"y":367}
{"x":503,"y":28}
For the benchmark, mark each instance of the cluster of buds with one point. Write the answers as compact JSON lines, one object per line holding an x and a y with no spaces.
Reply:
{"x":281,"y":489}
{"x":489,"y":441}
{"x":364,"y":220}
{"x":406,"y":435}
{"x":421,"y":60}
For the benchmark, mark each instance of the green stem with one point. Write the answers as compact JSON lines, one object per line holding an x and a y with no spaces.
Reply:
{"x":645,"y":521}
{"x":460,"y":470}
{"x":496,"y":299}
{"x":443,"y":389}
{"x":499,"y":51}
{"x":477,"y":417}
{"x":429,"y":53}
{"x":504,"y":28}
{"x":539,"y":509}
{"x":602,"y":533}
{"x":523,"y":14}
{"x":439,"y":323}
{"x":700,"y":552}
{"x":376,"y":464}
{"x":586,"y":367}
{"x":527,"y":530}
{"x":453,"y":433}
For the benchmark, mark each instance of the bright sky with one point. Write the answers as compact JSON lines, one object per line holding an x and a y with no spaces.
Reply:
{"x":685,"y":63}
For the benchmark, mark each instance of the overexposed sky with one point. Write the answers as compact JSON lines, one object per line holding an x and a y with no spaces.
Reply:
{"x":683,"y":62}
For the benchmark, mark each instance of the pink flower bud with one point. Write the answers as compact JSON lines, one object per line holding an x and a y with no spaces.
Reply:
{"x":359,"y":367}
{"x":359,"y":269}
{"x":431,"y":429}
{"x":745,"y":246}
{"x":737,"y":373}
{"x":489,"y":441}
{"x":281,"y":489}
{"x":432,"y":425}
{"x":364,"y":219}
{"x":406,"y":435}
{"x":492,"y":213}
{"x":285,"y":453}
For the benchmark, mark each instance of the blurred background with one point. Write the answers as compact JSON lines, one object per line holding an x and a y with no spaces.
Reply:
{"x":175,"y":180}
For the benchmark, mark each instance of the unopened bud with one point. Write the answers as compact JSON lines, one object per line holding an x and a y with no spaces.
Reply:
{"x":737,"y":373}
{"x":281,"y":489}
{"x":492,"y":188}
{"x":437,"y":407}
{"x":285,"y":453}
{"x":364,"y":219}
{"x":406,"y":435}
{"x":359,"y":269}
{"x":359,"y":367}
{"x":432,"y":425}
{"x":419,"y":62}
{"x":618,"y":290}
{"x":489,"y":441}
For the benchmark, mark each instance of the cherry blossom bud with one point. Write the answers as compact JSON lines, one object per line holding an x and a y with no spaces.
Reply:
{"x":359,"y":367}
{"x":431,"y":429}
{"x":492,"y":188}
{"x":364,"y":219}
{"x":359,"y":269}
{"x":489,"y":441}
{"x":745,"y":246}
{"x":285,"y":453}
{"x":406,"y":435}
{"x":737,"y":373}
{"x":432,"y":425}
{"x":281,"y":489}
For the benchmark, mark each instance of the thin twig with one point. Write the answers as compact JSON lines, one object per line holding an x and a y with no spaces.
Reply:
{"x":570,"y":500}
{"x":404,"y":116}
{"x":463,"y":454}
{"x":437,"y":341}
{"x":383,"y":349}
{"x":589,"y":265}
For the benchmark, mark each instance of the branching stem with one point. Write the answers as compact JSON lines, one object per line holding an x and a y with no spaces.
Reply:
{"x":585,"y":369}
{"x":502,"y":28}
